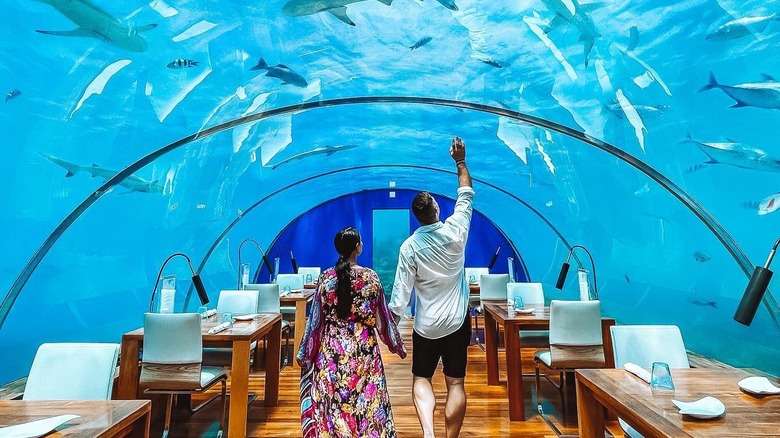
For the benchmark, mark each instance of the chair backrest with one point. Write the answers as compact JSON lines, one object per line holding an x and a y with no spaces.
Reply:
{"x":314,"y":271}
{"x":295,"y":281}
{"x":532,"y":293}
{"x":172,"y":338}
{"x":644,"y":344}
{"x":474,"y":272}
{"x":238,"y":302}
{"x":493,"y":286}
{"x":268,"y":297}
{"x":72,"y":371}
{"x":575,"y":334}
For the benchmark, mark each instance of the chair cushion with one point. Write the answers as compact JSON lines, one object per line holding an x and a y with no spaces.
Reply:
{"x":543,"y":356}
{"x":211,"y":375}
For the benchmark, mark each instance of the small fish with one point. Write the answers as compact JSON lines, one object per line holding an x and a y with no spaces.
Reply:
{"x":182,"y":63}
{"x":492,"y":63}
{"x":12,"y":94}
{"x":421,"y":42}
{"x":281,"y":71}
{"x":712,"y":304}
{"x":628,"y":280}
{"x":701,"y":257}
{"x":769,"y":204}
{"x":642,"y":190}
{"x":633,"y":38}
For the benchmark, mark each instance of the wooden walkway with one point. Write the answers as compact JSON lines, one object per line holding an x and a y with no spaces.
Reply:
{"x":486,"y":414}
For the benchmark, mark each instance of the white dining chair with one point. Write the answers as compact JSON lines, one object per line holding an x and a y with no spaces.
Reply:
{"x":172,"y":362}
{"x":644,"y":344}
{"x":72,"y":371}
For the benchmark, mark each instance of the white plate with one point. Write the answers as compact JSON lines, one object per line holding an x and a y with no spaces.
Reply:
{"x":247,"y":317}
{"x":35,"y":429}
{"x":707,"y":407}
{"x":526,"y":311}
{"x":758,"y":385}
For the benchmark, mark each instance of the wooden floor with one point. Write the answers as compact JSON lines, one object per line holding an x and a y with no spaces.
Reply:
{"x":486,"y":413}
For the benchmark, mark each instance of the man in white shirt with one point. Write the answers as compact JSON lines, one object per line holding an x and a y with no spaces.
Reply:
{"x":431,"y":261}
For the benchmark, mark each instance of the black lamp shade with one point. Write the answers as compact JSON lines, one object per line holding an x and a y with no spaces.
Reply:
{"x":198,"y":284}
{"x":562,"y":275}
{"x":752,"y":296}
{"x":493,"y":259}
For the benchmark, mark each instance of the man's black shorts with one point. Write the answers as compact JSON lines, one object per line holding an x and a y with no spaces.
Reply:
{"x":451,"y":349}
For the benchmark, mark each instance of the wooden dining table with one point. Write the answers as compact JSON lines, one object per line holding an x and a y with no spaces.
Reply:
{"x":299,"y":299}
{"x":652,"y":413}
{"x":96,"y":418}
{"x":500,"y":312}
{"x":239,"y":338}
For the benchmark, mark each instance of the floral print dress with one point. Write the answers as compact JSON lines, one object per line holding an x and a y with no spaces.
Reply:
{"x":343,"y":387}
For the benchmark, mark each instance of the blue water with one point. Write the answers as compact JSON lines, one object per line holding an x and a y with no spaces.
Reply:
{"x":108,"y":97}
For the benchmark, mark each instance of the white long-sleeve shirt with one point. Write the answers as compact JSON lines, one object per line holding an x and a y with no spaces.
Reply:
{"x":431,"y":261}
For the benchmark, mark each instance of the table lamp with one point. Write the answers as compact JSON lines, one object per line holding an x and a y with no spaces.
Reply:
{"x":266,"y":262}
{"x":196,"y":281}
{"x":565,"y":270}
{"x":754,"y":292}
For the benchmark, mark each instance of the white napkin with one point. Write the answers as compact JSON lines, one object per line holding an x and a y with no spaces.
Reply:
{"x":211,"y":312}
{"x":638,"y":371}
{"x":219,"y":328}
{"x":35,"y":428}
{"x":707,"y":407}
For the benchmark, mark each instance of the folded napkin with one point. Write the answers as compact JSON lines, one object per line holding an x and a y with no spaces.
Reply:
{"x":211,"y":312}
{"x":219,"y":328}
{"x":638,"y":371}
{"x":35,"y":428}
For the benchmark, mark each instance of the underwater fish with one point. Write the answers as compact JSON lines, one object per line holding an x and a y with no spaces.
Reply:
{"x":421,"y":42}
{"x":732,"y":153}
{"x":327,"y":151}
{"x":633,"y":38}
{"x":756,"y":94}
{"x":769,"y":204}
{"x":94,"y":22}
{"x":628,"y":280}
{"x":281,"y":71}
{"x":337,"y":8}
{"x":492,"y":63}
{"x":182,"y":63}
{"x":644,"y":111}
{"x":642,"y":190}
{"x":132,"y":182}
{"x":712,"y":304}
{"x":701,"y":257}
{"x":12,"y":94}
{"x":449,"y":4}
{"x":741,"y":27}
{"x":570,"y":11}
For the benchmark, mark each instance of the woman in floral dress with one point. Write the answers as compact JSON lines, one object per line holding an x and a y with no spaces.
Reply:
{"x":343,"y":387}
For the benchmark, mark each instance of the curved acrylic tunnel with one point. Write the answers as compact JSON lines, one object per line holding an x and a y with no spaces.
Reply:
{"x":568,"y":192}
{"x":676,"y":207}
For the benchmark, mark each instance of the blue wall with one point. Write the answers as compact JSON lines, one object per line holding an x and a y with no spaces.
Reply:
{"x":311,"y":235}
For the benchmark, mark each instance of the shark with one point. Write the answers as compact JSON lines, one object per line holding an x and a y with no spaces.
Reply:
{"x":764,"y":94}
{"x":575,"y":14}
{"x":325,"y":150}
{"x":741,"y":27}
{"x":337,"y":8}
{"x":734,"y":154}
{"x":134,"y":183}
{"x":94,"y":22}
{"x":281,"y":71}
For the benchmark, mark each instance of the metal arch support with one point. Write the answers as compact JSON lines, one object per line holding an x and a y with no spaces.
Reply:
{"x":697,"y":209}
